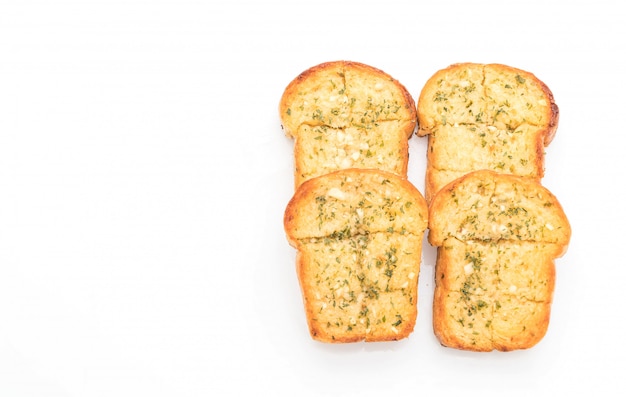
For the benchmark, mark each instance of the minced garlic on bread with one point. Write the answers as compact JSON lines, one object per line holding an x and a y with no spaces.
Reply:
{"x":497,"y":237}
{"x":358,"y":235}
{"x":484,"y":116}
{"x":346,"y":114}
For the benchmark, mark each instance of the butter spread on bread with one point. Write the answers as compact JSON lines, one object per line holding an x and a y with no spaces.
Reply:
{"x":358,"y":235}
{"x":346,"y":114}
{"x":497,"y":237}
{"x":484,"y":116}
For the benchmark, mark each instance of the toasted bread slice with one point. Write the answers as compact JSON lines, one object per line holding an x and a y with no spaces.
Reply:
{"x":358,"y":235}
{"x":347,"y":115}
{"x":497,"y":237}
{"x":485,"y":116}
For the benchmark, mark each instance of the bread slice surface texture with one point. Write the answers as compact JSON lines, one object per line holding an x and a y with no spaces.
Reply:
{"x":497,"y":238}
{"x":358,"y":235}
{"x":345,"y":114}
{"x":485,"y":116}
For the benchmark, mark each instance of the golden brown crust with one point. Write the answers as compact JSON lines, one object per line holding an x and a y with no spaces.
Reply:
{"x":497,"y":237}
{"x":489,"y":206}
{"x":485,"y":116}
{"x":345,"y":114}
{"x":358,"y":235}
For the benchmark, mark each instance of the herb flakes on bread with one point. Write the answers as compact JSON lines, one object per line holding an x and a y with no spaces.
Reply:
{"x":485,"y":116}
{"x":345,"y":114}
{"x":358,"y":235}
{"x":497,"y":237}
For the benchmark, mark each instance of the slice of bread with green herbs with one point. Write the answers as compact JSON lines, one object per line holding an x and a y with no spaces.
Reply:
{"x":497,"y":237}
{"x":358,"y":235}
{"x":485,"y":116}
{"x":346,"y":114}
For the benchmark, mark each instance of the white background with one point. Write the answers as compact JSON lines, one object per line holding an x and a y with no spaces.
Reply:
{"x":144,"y":174}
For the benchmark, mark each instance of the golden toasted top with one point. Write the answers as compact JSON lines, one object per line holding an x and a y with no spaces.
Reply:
{"x":341,"y":94}
{"x":486,"y":94}
{"x":488,"y":206}
{"x":355,"y":201}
